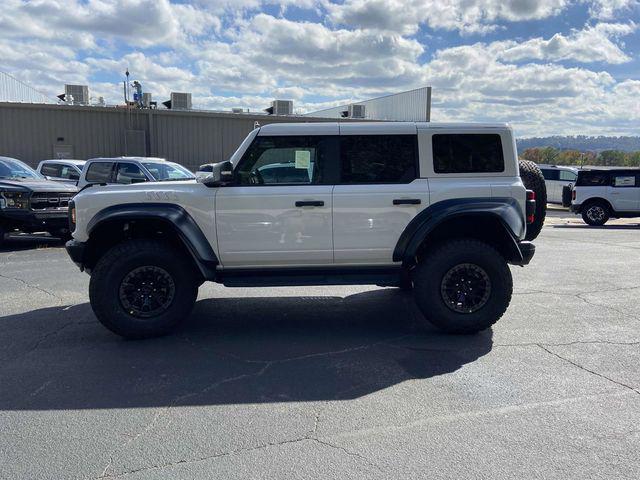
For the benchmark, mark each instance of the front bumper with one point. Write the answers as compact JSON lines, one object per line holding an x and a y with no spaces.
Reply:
{"x":527,"y":251}
{"x":76,"y":251}
{"x":34,"y":221}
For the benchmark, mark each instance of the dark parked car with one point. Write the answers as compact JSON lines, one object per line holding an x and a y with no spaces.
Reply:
{"x":30,"y":203}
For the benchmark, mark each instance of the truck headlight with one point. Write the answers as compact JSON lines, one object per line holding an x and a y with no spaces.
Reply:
{"x":14,"y":200}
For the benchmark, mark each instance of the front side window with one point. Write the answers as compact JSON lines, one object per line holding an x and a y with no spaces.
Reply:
{"x":99,"y":172}
{"x":378,"y":159}
{"x":467,"y":153}
{"x":566,"y":175}
{"x":127,"y":173}
{"x":69,"y":173}
{"x":167,"y":171}
{"x":549,"y":174}
{"x":295,"y":160}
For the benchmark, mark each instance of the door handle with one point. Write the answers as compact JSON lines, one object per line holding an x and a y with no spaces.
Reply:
{"x":309,"y":203}
{"x":407,"y":201}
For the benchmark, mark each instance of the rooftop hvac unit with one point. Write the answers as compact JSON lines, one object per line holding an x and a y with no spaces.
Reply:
{"x":146,"y":100}
{"x":180,"y":101}
{"x":356,"y":111}
{"x":282,"y":107}
{"x":80,"y":93}
{"x":237,"y":110}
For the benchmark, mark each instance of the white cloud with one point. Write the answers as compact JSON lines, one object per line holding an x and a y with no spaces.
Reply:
{"x":593,"y":44}
{"x":229,"y":54}
{"x":405,"y":16}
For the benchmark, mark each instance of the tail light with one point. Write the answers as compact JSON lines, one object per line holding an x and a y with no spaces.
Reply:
{"x":531,"y":206}
{"x":573,"y":194}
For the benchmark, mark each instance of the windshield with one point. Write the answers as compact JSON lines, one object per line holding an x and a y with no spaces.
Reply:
{"x":168,"y":171}
{"x":11,"y":168}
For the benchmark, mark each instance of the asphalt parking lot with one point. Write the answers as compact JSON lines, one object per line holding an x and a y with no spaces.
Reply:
{"x":331,"y":382}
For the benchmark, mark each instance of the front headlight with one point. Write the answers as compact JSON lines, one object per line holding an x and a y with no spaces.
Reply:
{"x":16,"y":200}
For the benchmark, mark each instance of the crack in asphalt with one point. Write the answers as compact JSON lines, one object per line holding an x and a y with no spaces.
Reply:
{"x":262,"y":446}
{"x":575,"y":364}
{"x":35,"y":287}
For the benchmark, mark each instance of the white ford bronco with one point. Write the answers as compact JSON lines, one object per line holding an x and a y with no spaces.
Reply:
{"x":437,"y":208}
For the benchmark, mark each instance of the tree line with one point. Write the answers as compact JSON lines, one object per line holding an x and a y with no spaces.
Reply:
{"x":555,"y":156}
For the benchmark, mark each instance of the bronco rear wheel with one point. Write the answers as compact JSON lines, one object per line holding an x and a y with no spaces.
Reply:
{"x":463,"y":286}
{"x":143,"y":288}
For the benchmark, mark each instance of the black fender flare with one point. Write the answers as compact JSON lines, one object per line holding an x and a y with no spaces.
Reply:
{"x":506,"y":210}
{"x":177,"y":217}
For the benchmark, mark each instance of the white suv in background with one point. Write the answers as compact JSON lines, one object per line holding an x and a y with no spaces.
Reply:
{"x":556,"y":178}
{"x":127,"y":170}
{"x":603,"y":193}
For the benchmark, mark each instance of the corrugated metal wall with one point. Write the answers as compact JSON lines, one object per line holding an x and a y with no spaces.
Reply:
{"x":408,"y":106}
{"x":33,"y":132}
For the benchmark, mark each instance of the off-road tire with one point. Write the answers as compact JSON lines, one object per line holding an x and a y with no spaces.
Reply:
{"x":534,"y":180}
{"x":596,"y":213}
{"x":123,"y":259}
{"x":3,"y":234}
{"x":432,"y":271}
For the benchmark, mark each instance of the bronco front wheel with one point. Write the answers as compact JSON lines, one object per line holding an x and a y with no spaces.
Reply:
{"x":143,"y":288}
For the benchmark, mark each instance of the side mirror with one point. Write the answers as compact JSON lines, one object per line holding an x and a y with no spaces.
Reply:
{"x":221,"y":174}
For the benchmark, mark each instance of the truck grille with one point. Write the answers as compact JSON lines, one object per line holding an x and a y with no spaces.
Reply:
{"x":50,"y":201}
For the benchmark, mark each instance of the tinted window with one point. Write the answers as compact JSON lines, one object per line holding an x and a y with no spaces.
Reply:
{"x":624,"y":181}
{"x":549,"y":174}
{"x":378,"y":158}
{"x":51,"y":170}
{"x":592,"y":179}
{"x":568,"y":176}
{"x":467,"y":153}
{"x":285,"y":160}
{"x":127,"y":173}
{"x":99,"y":172}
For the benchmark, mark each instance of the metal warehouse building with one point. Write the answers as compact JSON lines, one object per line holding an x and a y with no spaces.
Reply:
{"x":36,"y":131}
{"x":33,"y":132}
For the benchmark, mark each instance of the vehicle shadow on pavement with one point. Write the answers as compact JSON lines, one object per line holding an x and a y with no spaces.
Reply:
{"x":28,"y":242}
{"x":232,"y":351}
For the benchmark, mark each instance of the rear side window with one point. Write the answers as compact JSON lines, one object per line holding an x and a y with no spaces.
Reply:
{"x":592,"y":179}
{"x":99,"y":172}
{"x":624,"y":181}
{"x":467,"y":153}
{"x":378,"y":158}
{"x":51,"y":170}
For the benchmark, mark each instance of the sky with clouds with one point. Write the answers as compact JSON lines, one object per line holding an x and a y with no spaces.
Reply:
{"x":547,"y":66}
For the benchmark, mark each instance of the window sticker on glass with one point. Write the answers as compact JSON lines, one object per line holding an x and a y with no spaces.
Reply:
{"x":625,"y":181}
{"x":303,"y":159}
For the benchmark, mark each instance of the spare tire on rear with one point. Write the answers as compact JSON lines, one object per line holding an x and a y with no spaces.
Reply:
{"x":534,"y":180}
